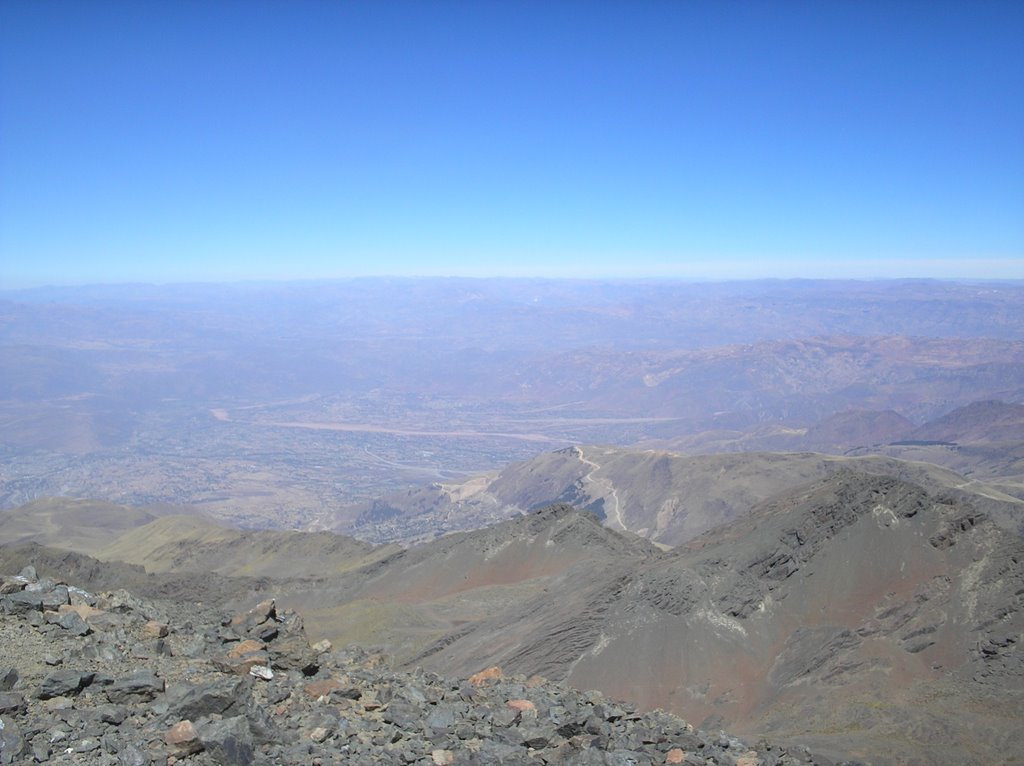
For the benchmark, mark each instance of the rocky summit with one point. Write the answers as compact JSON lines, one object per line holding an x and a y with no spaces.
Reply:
{"x":113,"y":679}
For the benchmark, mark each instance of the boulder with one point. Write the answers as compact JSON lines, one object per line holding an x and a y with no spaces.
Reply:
{"x":142,"y":685}
{"x":182,"y":739}
{"x":486,"y":676}
{"x":212,"y":698}
{"x":263,"y":612}
{"x":73,"y":623}
{"x":155,"y":629}
{"x":21,"y":602}
{"x":12,"y":743}
{"x":229,"y":741}
{"x":12,"y":703}
{"x":64,"y":683}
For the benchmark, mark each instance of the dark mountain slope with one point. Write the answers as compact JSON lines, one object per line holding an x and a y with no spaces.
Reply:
{"x":433,"y":591}
{"x":862,"y":613}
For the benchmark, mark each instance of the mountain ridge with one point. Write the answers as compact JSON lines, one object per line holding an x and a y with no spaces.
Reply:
{"x":664,"y":496}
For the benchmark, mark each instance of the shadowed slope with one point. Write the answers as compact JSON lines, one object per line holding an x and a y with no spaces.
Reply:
{"x":417,"y":596}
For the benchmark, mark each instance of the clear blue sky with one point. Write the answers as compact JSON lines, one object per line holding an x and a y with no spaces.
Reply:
{"x":169,"y":141}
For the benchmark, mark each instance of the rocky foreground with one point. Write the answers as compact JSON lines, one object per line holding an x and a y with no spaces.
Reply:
{"x":112,"y":679}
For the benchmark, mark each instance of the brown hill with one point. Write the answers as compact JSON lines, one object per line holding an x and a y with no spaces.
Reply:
{"x":979,"y":422}
{"x":63,"y":522}
{"x":195,"y":544}
{"x":983,"y":441}
{"x":856,"y":428}
{"x":666,"y":497}
{"x":171,"y":681}
{"x":182,"y":543}
{"x":987,"y":422}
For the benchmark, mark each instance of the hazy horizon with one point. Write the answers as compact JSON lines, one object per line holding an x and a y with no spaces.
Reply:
{"x":967,"y":277}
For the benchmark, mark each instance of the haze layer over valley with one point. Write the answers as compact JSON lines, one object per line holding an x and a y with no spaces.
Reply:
{"x":295,"y":404}
{"x":790,"y":510}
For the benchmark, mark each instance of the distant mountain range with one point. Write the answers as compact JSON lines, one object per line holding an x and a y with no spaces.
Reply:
{"x":267,"y":405}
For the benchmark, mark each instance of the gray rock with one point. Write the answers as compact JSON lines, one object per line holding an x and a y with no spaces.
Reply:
{"x":293,"y":653}
{"x":441,"y":717}
{"x":404,"y":715}
{"x":627,"y":758}
{"x":112,"y":714}
{"x":143,"y":685}
{"x":40,"y":749}
{"x":21,"y":602}
{"x":64,"y":683}
{"x":8,"y":679}
{"x":56,"y":597}
{"x":228,"y":741}
{"x":12,"y":743}
{"x":195,"y":702}
{"x":11,"y":703}
{"x":87,"y":745}
{"x":536,"y":738}
{"x":73,"y":623}
{"x":132,"y":755}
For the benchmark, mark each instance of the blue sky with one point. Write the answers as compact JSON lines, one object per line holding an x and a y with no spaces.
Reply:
{"x":179,"y":141}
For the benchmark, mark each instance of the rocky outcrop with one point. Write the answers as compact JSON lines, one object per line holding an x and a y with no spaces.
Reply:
{"x":160,"y":683}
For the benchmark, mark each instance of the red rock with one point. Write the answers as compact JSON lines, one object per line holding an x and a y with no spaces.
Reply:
{"x":242,"y":658}
{"x":182,"y":739}
{"x":154,"y":629}
{"x":486,"y":676}
{"x":675,"y":755}
{"x":318,"y":689}
{"x":245,"y":648}
{"x":259,"y":614}
{"x":84,"y":610}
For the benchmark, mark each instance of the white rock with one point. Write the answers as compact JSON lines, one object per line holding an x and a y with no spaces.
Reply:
{"x":261,"y":671}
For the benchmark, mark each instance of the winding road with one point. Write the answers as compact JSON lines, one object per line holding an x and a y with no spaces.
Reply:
{"x":615,"y":515}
